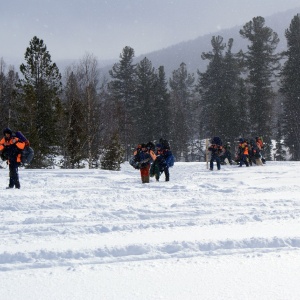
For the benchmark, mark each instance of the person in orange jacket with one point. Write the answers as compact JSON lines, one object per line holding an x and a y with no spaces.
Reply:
{"x":243,"y":152}
{"x":144,"y":155}
{"x":10,"y":149}
{"x":260,"y":145}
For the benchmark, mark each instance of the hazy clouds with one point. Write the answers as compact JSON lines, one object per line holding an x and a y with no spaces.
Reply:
{"x":70,"y":28}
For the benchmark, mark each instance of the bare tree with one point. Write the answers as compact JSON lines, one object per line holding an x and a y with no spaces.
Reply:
{"x":88,"y":80}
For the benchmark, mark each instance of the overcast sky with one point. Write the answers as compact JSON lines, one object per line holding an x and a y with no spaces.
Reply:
{"x":71,"y":28}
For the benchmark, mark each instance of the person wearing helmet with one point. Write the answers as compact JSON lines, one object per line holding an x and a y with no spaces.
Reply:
{"x":216,"y":150}
{"x":10,"y":149}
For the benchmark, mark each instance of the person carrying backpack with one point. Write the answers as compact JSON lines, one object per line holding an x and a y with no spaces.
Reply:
{"x":225,"y":155}
{"x":215,"y":156}
{"x":243,"y":152}
{"x":10,"y":149}
{"x":216,"y":149}
{"x":160,"y":164}
{"x":254,"y":153}
{"x":260,"y":145}
{"x":143,"y":157}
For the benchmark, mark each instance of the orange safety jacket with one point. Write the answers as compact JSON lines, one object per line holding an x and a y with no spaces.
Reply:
{"x":13,"y":140}
{"x":259,"y":144}
{"x":245,"y":149}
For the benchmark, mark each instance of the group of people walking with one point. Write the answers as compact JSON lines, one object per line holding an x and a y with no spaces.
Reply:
{"x":153,"y":160}
{"x":248,"y":152}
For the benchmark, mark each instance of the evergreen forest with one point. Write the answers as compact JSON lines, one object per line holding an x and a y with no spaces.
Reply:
{"x":73,"y":115}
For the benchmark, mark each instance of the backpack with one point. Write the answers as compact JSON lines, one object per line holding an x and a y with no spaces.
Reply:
{"x":216,"y":140}
{"x":169,"y":158}
{"x":28,"y":153}
{"x":134,"y":162}
{"x":165,"y":144}
{"x":260,"y":142}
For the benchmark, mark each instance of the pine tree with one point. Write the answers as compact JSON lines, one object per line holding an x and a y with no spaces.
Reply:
{"x":182,"y":85}
{"x":113,"y":155}
{"x":280,"y":152}
{"x":242,"y":112}
{"x":209,"y":86}
{"x":261,"y":63}
{"x":122,"y":90}
{"x":8,"y":91}
{"x":290,"y":88}
{"x":232,"y":96}
{"x":145,"y":95}
{"x":39,"y":102}
{"x":220,"y":90}
{"x":75,"y":132}
{"x":161,"y":107}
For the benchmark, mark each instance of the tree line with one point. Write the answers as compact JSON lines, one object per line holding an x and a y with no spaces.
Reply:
{"x":79,"y":118}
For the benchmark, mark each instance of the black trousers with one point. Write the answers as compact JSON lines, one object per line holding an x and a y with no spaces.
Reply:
{"x":14,"y":174}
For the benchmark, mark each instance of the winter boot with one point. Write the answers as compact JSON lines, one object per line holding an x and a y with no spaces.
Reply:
{"x":147,"y":179}
{"x":259,"y":162}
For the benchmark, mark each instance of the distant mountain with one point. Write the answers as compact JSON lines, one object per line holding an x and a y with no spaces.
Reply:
{"x":190,"y":52}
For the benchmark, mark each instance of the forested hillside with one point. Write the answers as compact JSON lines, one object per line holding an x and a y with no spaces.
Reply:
{"x":80,"y":116}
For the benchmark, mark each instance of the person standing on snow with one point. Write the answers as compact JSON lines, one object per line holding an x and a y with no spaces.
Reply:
{"x":215,"y":150}
{"x":160,"y":164}
{"x":225,"y":156}
{"x":144,"y":156}
{"x":243,"y":152}
{"x":10,"y":149}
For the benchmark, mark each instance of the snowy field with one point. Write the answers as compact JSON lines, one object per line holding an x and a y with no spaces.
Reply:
{"x":95,"y":234}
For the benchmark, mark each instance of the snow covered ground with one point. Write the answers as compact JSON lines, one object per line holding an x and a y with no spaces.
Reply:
{"x":95,"y":234}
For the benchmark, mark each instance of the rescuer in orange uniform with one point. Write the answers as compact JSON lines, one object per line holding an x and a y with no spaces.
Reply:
{"x":10,"y":150}
{"x":244,"y":152}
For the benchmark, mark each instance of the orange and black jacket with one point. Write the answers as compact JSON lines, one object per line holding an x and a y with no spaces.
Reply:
{"x":244,"y":149}
{"x":215,"y":150}
{"x":12,"y":147}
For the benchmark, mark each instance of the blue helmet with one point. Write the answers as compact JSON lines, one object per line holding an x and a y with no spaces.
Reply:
{"x":7,"y":130}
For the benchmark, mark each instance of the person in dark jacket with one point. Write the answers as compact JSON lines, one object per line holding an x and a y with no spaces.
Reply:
{"x":254,"y":154}
{"x":243,"y":152}
{"x":10,"y":149}
{"x":160,"y":165}
{"x":225,"y":156}
{"x":144,"y":156}
{"x":215,"y":150}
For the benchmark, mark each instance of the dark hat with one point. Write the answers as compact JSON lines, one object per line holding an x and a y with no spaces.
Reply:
{"x":7,"y":130}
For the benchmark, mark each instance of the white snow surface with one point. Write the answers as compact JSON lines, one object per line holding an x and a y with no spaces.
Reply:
{"x":96,"y":234}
